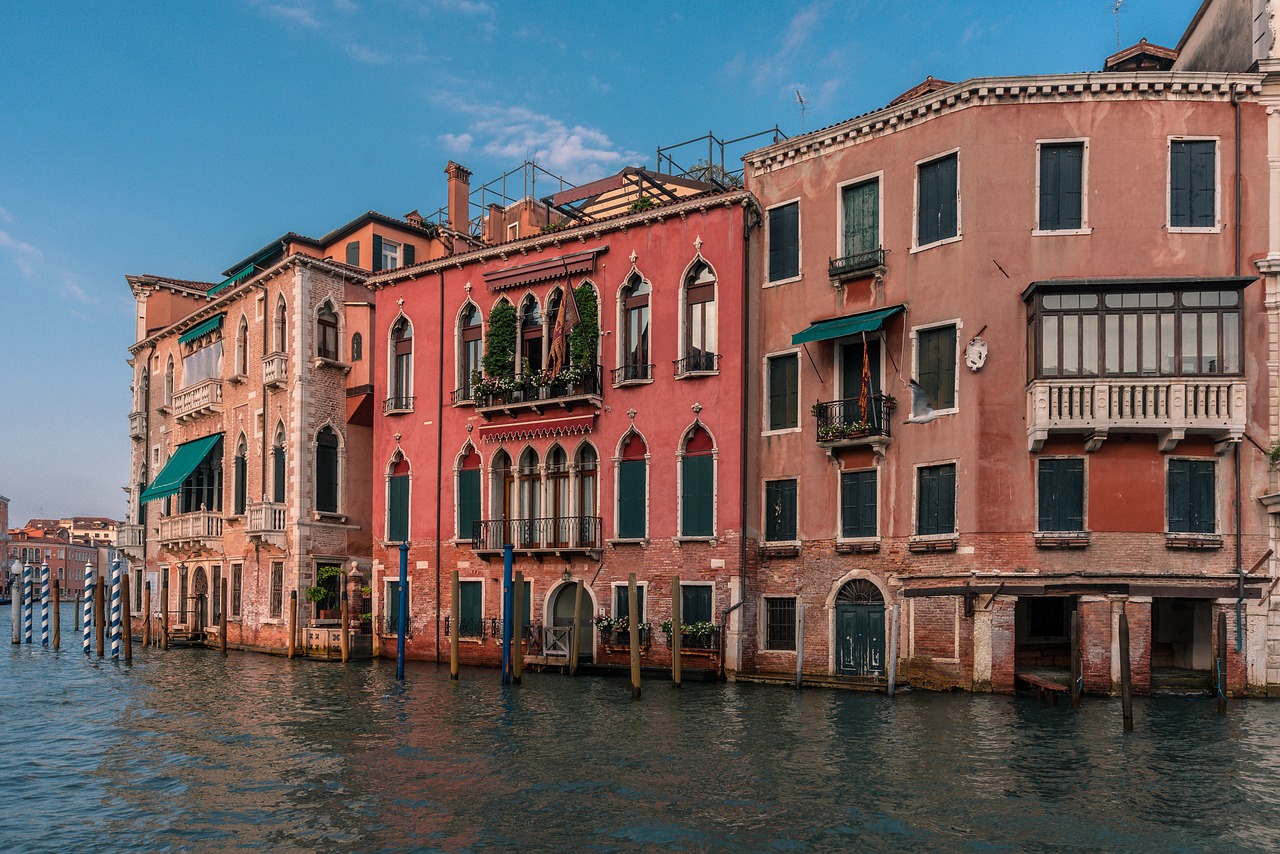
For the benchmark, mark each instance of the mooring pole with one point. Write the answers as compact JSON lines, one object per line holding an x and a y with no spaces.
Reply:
{"x":1076,"y":670}
{"x":222,"y":618}
{"x":455,"y":611}
{"x":126,"y":625}
{"x":893,"y":648}
{"x":1221,"y":664}
{"x":508,"y":603}
{"x":100,"y":614}
{"x":677,"y":637}
{"x":86,"y":624}
{"x":403,"y":626}
{"x":146,"y":614}
{"x":15,"y":608}
{"x":57,"y":616}
{"x":293,"y":622}
{"x":26,"y":603}
{"x":344,"y":612}
{"x":633,"y":626}
{"x":115,"y":609}
{"x":164,"y":610}
{"x":517,"y":608}
{"x":75,"y":611}
{"x":44,"y":604}
{"x":799,"y":643}
{"x":575,"y":642}
{"x":1126,"y":682}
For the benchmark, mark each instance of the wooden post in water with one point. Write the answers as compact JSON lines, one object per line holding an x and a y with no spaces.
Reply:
{"x":222,"y":618}
{"x":799,"y":643}
{"x":126,"y":618}
{"x":1075,"y":659}
{"x":575,"y":640}
{"x":293,"y":621}
{"x":1221,"y":664}
{"x":75,"y":612}
{"x":15,"y":608}
{"x":344,"y":612}
{"x":893,"y":649}
{"x":100,"y":612}
{"x":677,"y":616}
{"x":57,"y":614}
{"x":633,"y":626}
{"x":455,"y":612}
{"x":517,"y":645}
{"x":164,"y":610}
{"x":1126,"y":682}
{"x":146,"y":614}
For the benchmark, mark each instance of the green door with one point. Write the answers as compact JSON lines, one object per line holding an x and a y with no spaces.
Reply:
{"x":860,"y":630}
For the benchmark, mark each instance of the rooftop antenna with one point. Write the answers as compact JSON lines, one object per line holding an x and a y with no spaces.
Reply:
{"x":1115,"y":10}
{"x":801,"y":101}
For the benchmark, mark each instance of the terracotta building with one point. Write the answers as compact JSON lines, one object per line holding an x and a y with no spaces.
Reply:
{"x":1014,"y":365}
{"x":65,"y":555}
{"x":573,"y":391}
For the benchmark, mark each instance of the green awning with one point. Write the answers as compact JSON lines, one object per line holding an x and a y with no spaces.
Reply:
{"x":180,"y":466}
{"x":236,"y":279}
{"x":867,"y":321}
{"x":212,"y":324}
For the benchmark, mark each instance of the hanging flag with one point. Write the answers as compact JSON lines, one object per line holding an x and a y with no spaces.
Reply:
{"x":566,"y":319}
{"x":866,"y":382}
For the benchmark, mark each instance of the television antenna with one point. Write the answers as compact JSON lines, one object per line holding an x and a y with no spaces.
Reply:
{"x":801,"y":101}
{"x":1115,"y":10}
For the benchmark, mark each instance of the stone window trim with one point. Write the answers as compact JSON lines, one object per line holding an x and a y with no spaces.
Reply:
{"x":1216,"y":228}
{"x":1084,"y":228}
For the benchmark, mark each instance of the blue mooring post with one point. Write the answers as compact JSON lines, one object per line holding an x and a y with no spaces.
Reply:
{"x":508,"y":604}
{"x":402,"y":621}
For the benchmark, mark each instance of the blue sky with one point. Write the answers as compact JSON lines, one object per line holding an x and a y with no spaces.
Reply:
{"x":176,"y":138}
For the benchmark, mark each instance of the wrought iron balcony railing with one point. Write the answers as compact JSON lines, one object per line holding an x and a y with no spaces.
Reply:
{"x":632,"y":372}
{"x":855,"y":265}
{"x":390,"y":625}
{"x":397,"y":405}
{"x":698,"y":363}
{"x":690,"y":639}
{"x":466,"y":394}
{"x":847,"y":422}
{"x":527,"y":394}
{"x":563,"y":533}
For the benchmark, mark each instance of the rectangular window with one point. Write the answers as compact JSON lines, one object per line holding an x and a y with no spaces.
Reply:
{"x":353,"y":253}
{"x":936,"y":499}
{"x":697,"y":517}
{"x":237,"y":590}
{"x":784,"y":242}
{"x":386,"y":254}
{"x":858,"y":503}
{"x":780,"y":511}
{"x":780,"y":623}
{"x":936,"y":365}
{"x":1061,"y":495}
{"x":471,"y":609}
{"x":1191,"y":506}
{"x":622,"y":605}
{"x":938,"y":200}
{"x":398,"y":508}
{"x":277,"y":590}
{"x":631,"y":499}
{"x":695,"y":603}
{"x":1061,"y":186}
{"x":392,"y":613}
{"x":861,"y":208}
{"x":783,"y":376}
{"x":1192,"y":183}
{"x":468,"y":502}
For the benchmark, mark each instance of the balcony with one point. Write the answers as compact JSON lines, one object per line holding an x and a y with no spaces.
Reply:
{"x":513,"y":395}
{"x":699,"y":364}
{"x":203,"y":398}
{"x":857,"y":266}
{"x":397,"y":405}
{"x":631,"y":373}
{"x":555,"y":535}
{"x":137,"y":425}
{"x":129,"y":539}
{"x":844,"y":423}
{"x":1170,"y":408}
{"x":202,"y":528}
{"x":266,"y":521}
{"x":465,"y":396}
{"x":275,"y":369}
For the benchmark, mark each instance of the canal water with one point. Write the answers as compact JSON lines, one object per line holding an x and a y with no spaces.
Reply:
{"x":186,"y":750}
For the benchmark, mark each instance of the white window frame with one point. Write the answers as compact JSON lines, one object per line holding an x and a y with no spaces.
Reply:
{"x":392,"y":252}
{"x":387,"y":581}
{"x":648,"y":488}
{"x":484,"y":596}
{"x":799,"y":245}
{"x":683,"y":616}
{"x":765,"y":430}
{"x":715,"y":490}
{"x":1084,"y":228}
{"x":764,"y":510}
{"x":915,"y":359}
{"x":878,"y":177}
{"x":915,"y":203}
{"x":1216,"y":228}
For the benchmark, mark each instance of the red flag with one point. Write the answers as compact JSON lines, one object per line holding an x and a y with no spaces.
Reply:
{"x":866,"y":381}
{"x":566,"y":319}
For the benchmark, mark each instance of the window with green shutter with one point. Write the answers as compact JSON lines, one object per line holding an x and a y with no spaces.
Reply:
{"x":468,"y":502}
{"x":632,"y":476}
{"x":1061,"y":495}
{"x":622,"y":604}
{"x":392,"y":613}
{"x":858,"y":503}
{"x":784,"y":242}
{"x":353,"y":253}
{"x":861,"y":217}
{"x":936,"y":363}
{"x":1192,"y":183}
{"x":470,"y":609}
{"x":377,"y":253}
{"x":784,"y":391}
{"x":1061,"y":185}
{"x":1190,"y":500}
{"x":695,"y":603}
{"x":936,"y":499}
{"x":780,"y":511}
{"x":398,"y":508}
{"x":937,"y":205}
{"x":697,"y":500}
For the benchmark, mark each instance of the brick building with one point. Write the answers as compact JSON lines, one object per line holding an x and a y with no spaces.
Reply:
{"x":1065,"y":267}
{"x":65,"y":555}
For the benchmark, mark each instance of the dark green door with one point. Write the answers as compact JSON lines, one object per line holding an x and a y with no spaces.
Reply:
{"x":860,"y":629}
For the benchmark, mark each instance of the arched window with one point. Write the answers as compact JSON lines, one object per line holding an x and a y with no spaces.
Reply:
{"x":168,"y":382}
{"x":401,"y":384}
{"x":559,"y":504}
{"x":697,"y":485}
{"x":471,"y":352}
{"x":398,"y":499}
{"x":327,"y":474}
{"x":530,"y":335}
{"x":357,"y":347}
{"x":503,"y":504}
{"x":242,"y":348}
{"x":700,"y":318}
{"x":278,"y":467}
{"x":280,"y":329}
{"x":588,"y":465}
{"x":635,"y":330}
{"x":632,"y":489}
{"x":529,"y":498}
{"x":327,"y":332}
{"x":241,"y":476}
{"x":468,"y":494}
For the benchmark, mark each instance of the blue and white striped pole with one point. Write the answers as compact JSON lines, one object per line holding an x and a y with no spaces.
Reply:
{"x":90,"y":583}
{"x":26,"y":603}
{"x":44,"y":603}
{"x":115,"y":609}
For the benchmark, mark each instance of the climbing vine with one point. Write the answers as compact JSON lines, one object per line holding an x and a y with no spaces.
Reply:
{"x":500,"y":341}
{"x":585,"y":337}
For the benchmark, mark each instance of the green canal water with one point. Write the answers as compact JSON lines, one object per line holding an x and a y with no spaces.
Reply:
{"x":186,"y":750}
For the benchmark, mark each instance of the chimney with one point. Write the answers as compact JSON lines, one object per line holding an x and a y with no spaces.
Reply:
{"x":459,"y":195}
{"x":495,"y":225}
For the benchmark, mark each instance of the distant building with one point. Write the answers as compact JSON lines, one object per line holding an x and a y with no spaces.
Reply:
{"x":66,"y":556}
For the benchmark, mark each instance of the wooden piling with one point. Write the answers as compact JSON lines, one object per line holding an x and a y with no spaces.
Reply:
{"x":222,"y":619}
{"x":633,"y":626}
{"x":100,"y":613}
{"x":455,"y":612}
{"x":517,"y":644}
{"x":1220,"y":665}
{"x":677,"y":615}
{"x":893,"y":649}
{"x":57,"y":613}
{"x":575,"y":640}
{"x":164,"y":610}
{"x":15,"y":609}
{"x":344,"y":634}
{"x":75,"y":612}
{"x":1126,"y":681}
{"x":146,"y":615}
{"x":126,"y":617}
{"x":293,"y":621}
{"x":799,"y":643}
{"x":1075,"y":659}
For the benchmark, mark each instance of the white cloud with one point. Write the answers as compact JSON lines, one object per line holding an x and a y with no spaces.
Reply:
{"x":465,"y":7}
{"x":456,"y":142}
{"x":366,"y":54}
{"x":301,"y":12}
{"x":577,"y":153}
{"x":24,"y":256}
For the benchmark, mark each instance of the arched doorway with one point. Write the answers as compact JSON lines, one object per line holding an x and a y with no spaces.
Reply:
{"x":562,"y":621}
{"x":200,"y":599}
{"x":860,"y":629}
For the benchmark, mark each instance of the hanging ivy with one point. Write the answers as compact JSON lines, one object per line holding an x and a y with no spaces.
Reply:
{"x":585,"y":337}
{"x":500,"y":341}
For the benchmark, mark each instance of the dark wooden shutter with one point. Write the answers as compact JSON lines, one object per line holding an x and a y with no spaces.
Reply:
{"x":697,"y":518}
{"x":780,"y":510}
{"x":393,"y":606}
{"x":621,"y":603}
{"x":695,"y":604}
{"x":935,"y":510}
{"x":858,"y":504}
{"x":469,"y":602}
{"x":937,"y":203}
{"x":1061,"y":185}
{"x":783,"y":392}
{"x":278,"y":465}
{"x":408,"y":256}
{"x":242,"y":486}
{"x":784,"y":242}
{"x":468,"y":502}
{"x":937,"y":364}
{"x":1200,"y":512}
{"x":1061,"y":500}
{"x":353,"y":253}
{"x":1178,"y":498}
{"x":398,"y":508}
{"x":1202,"y":184}
{"x":631,"y":499}
{"x":862,"y":218}
{"x":377,"y":253}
